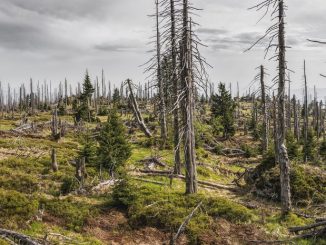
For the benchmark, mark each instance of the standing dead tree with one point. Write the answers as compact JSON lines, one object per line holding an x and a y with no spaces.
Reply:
{"x":171,"y":14}
{"x":55,"y":125}
{"x":155,"y":73}
{"x":54,"y":163}
{"x":276,"y":34}
{"x":306,"y":112}
{"x":296,"y":115}
{"x":179,"y":47}
{"x":263,"y":92}
{"x":188,"y":103}
{"x":136,"y":111}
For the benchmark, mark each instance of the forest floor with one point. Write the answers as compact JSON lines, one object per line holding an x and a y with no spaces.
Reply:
{"x":33,"y":199}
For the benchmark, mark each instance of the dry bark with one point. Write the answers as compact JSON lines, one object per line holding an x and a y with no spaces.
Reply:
{"x":283,"y":156}
{"x":264,"y":110}
{"x":188,"y":104}
{"x":162,"y":108}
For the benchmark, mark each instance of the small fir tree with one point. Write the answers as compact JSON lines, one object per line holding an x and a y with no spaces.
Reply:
{"x":116,"y":97}
{"x":88,"y":147}
{"x":83,"y":111}
{"x":223,"y":107}
{"x":113,"y":148}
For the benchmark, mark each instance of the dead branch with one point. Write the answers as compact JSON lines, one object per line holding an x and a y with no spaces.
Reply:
{"x":184,"y":224}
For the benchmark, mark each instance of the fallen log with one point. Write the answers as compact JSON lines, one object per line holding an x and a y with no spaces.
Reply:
{"x":147,"y":171}
{"x":200,"y":182}
{"x":154,"y":160}
{"x":20,"y":238}
{"x":232,"y":152}
{"x":104,"y":185}
{"x":150,"y":181}
{"x":307,"y":227}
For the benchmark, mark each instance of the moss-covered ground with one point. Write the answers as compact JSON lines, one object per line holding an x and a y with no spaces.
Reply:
{"x":142,"y":209}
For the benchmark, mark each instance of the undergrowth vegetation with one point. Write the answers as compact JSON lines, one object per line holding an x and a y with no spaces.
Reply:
{"x":152,"y":205}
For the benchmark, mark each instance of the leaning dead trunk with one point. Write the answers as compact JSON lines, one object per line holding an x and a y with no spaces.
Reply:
{"x":136,"y":111}
{"x":188,"y":105}
{"x":283,"y":156}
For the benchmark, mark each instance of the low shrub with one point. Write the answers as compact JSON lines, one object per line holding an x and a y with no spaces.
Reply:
{"x":16,"y":208}
{"x":74,"y":214}
{"x":14,"y":180}
{"x":307,"y":186}
{"x":151,"y":205}
{"x":68,"y":185}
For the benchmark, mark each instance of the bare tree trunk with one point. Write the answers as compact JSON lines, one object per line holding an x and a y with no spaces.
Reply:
{"x":54,"y":163}
{"x":66,"y":93}
{"x":276,"y":147}
{"x":296,"y":119}
{"x":136,"y":111}
{"x":283,"y":156}
{"x":264,"y":109}
{"x":288,"y":109}
{"x":176,"y":132}
{"x":188,"y":105}
{"x":54,"y":124}
{"x":162,"y":108}
{"x":306,"y":120}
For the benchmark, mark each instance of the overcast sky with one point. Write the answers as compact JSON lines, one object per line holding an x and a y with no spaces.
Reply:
{"x":54,"y":39}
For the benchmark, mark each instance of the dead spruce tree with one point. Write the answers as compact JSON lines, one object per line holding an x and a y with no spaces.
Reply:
{"x":276,"y":34}
{"x":264,"y":110}
{"x":260,"y":77}
{"x":296,"y":116}
{"x":306,"y":114}
{"x":188,"y":103}
{"x":180,"y":46}
{"x":171,"y":35}
{"x":175,"y":81}
{"x":55,"y":125}
{"x":155,"y":73}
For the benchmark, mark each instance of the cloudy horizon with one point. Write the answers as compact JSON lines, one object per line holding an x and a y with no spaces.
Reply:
{"x":54,"y":40}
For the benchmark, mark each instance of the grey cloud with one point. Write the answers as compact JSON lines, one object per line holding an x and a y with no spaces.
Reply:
{"x":111,"y":47}
{"x":212,"y":31}
{"x":22,"y":36}
{"x":70,"y":9}
{"x":233,"y":41}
